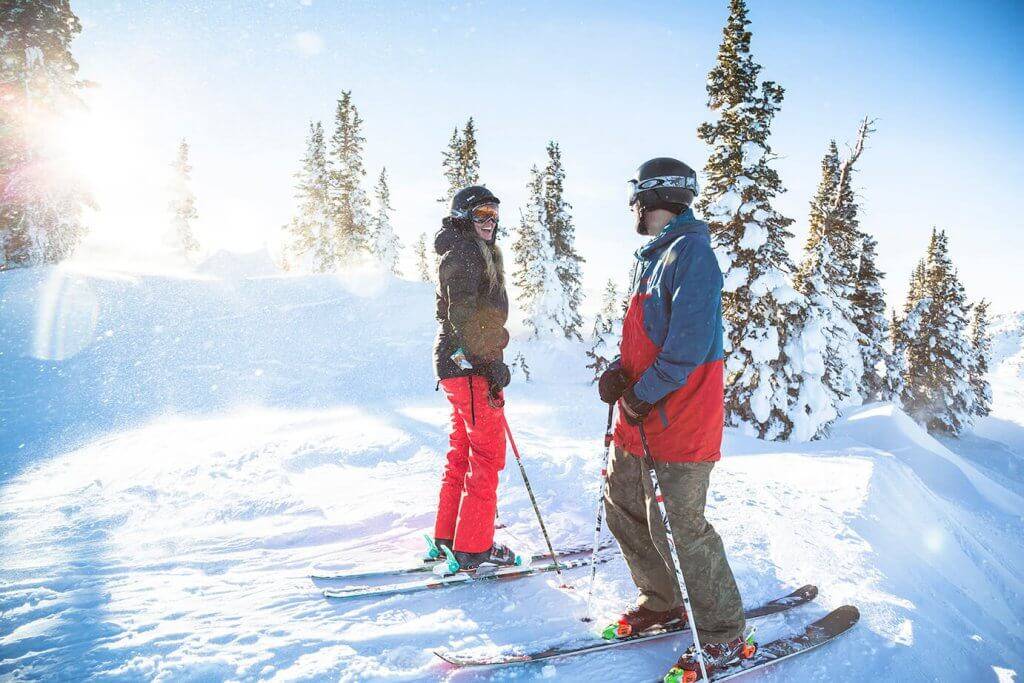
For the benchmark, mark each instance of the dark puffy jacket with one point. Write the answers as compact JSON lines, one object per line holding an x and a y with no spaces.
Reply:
{"x":471,"y":315}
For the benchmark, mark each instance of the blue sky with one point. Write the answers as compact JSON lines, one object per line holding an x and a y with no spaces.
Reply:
{"x":613,"y":83}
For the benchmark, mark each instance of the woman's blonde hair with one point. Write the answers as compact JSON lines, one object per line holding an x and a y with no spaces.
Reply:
{"x":494,"y":264}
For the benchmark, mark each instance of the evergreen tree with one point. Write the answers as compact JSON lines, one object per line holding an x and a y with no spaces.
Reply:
{"x":183,"y":204}
{"x":40,"y":203}
{"x":871,"y":321}
{"x":819,"y":330}
{"x":607,"y":330}
{"x":349,"y":203}
{"x":563,"y":241}
{"x":758,"y":303}
{"x":460,"y":163}
{"x":386,"y":245}
{"x":903,"y":332}
{"x":918,"y":286}
{"x":423,"y":265}
{"x":938,"y":391}
{"x":470,"y":159}
{"x":825,"y":343}
{"x":540,"y":295}
{"x":312,"y":238}
{"x":981,"y":348}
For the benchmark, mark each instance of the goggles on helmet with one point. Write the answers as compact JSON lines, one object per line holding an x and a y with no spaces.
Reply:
{"x":637,"y":186}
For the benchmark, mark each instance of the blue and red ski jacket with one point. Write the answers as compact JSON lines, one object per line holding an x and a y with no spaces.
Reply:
{"x":671,"y":348}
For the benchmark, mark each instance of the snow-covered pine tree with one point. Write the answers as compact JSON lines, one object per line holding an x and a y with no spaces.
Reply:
{"x":460,"y":163}
{"x":350,"y":204}
{"x":450,"y":167}
{"x":469,"y":157}
{"x":825,"y":343}
{"x":903,"y":332}
{"x":41,"y":206}
{"x":541,"y":298}
{"x":385,"y":243}
{"x":563,"y":240}
{"x":938,"y":391}
{"x":758,"y":302}
{"x":857,"y":251}
{"x":981,"y":348}
{"x":904,"y":336}
{"x":918,"y":286}
{"x":183,"y":204}
{"x":895,"y":363}
{"x":869,"y":315}
{"x":607,"y":330}
{"x":812,"y":403}
{"x":424,"y":269}
{"x":311,"y":242}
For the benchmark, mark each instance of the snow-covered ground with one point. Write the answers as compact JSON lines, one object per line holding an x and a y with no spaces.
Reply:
{"x":177,"y":453}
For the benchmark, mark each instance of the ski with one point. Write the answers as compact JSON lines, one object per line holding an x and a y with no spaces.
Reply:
{"x":798,"y":597}
{"x":427,"y":564}
{"x":485,"y":573}
{"x":824,"y":630}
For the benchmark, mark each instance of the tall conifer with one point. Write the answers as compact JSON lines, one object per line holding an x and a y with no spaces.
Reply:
{"x":981,"y":348}
{"x":558,"y":220}
{"x":871,"y":320}
{"x":749,"y":234}
{"x":384,"y":242}
{"x":460,"y":162}
{"x":350,"y":204}
{"x":938,"y":392}
{"x":312,"y":238}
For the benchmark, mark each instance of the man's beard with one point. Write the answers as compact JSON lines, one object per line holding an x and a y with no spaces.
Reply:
{"x":641,"y":223}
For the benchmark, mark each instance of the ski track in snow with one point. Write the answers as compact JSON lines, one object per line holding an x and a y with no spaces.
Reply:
{"x":179,"y":454}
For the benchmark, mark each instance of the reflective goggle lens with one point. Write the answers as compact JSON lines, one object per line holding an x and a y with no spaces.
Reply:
{"x":488,"y":212}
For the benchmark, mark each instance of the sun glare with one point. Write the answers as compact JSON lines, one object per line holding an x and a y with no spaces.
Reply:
{"x":107,"y":151}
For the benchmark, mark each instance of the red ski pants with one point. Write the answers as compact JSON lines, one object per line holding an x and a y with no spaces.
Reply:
{"x":469,"y":487}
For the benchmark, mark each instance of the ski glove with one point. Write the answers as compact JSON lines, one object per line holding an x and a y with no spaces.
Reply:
{"x":498,"y":377}
{"x":612,"y":385}
{"x":634,"y":408}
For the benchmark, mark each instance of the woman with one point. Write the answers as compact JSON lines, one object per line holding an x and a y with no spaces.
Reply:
{"x":472,"y":307}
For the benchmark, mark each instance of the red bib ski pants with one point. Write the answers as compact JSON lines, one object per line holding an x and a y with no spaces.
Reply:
{"x":469,"y":488}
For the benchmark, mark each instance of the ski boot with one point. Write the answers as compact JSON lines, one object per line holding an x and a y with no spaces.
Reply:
{"x":717,"y":656}
{"x":434,"y":546}
{"x":640,"y":619}
{"x":498,"y":556}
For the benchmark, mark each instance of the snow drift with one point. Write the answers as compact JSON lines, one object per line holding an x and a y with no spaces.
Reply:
{"x":178,"y":453}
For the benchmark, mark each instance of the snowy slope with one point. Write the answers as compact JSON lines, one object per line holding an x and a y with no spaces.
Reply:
{"x":178,"y":453}
{"x":997,"y":444}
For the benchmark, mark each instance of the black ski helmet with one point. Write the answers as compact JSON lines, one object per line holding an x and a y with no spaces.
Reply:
{"x":468,"y":198}
{"x":664,"y":183}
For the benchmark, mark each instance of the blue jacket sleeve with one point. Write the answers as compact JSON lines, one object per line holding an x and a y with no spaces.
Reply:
{"x":694,"y":292}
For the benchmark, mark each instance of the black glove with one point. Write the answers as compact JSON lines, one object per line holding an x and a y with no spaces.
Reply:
{"x":612,"y":385}
{"x":498,"y":376}
{"x":635,"y":409}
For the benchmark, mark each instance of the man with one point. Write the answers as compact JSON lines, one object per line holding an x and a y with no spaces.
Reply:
{"x":669,"y":378}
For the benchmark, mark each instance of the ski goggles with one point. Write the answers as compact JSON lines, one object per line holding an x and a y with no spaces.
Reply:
{"x":481,"y":215}
{"x":635,"y":187}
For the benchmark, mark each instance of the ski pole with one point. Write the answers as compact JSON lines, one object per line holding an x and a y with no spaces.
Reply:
{"x":660,"y":499}
{"x":533,"y":501}
{"x":600,"y":510}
